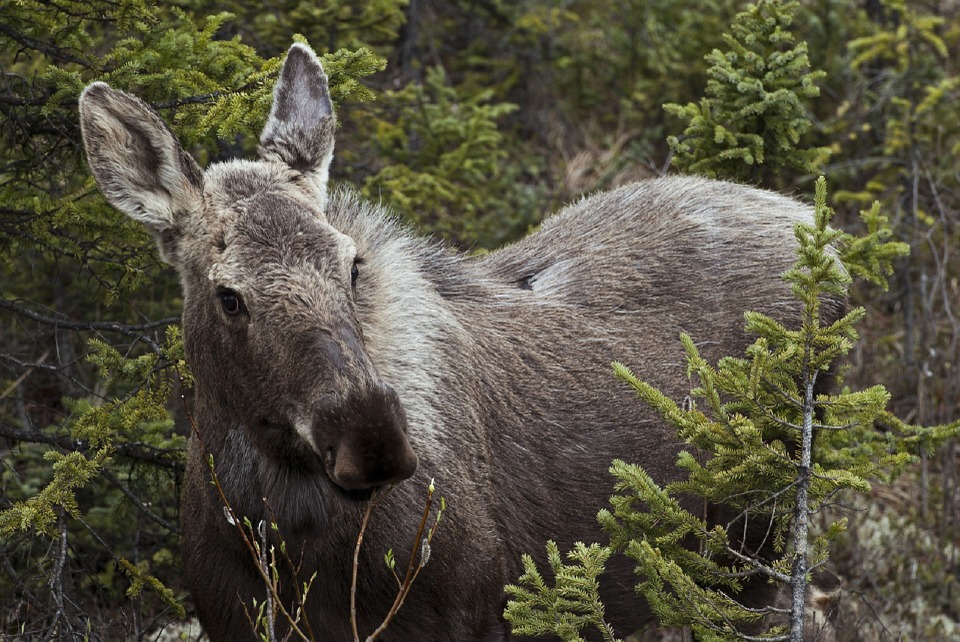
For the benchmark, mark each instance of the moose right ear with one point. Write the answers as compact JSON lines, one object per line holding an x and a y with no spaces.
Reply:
{"x":300,"y":129}
{"x":139,"y":164}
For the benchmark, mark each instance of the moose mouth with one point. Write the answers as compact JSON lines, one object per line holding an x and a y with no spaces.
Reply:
{"x":281,"y":443}
{"x":360,"y":473}
{"x":359,"y":440}
{"x":352,"y":494}
{"x":360,"y":496}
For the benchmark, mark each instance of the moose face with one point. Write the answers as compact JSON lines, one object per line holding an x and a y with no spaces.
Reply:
{"x":270,"y":317}
{"x":272,"y":329}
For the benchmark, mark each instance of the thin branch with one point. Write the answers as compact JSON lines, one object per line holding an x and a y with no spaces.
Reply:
{"x":190,"y":100}
{"x":265,"y":566}
{"x":356,"y":566}
{"x":707,"y":622}
{"x":110,"y":477}
{"x":412,"y":571}
{"x":300,"y":596}
{"x":761,"y":568}
{"x":56,"y":53}
{"x":59,"y":370}
{"x":202,"y":98}
{"x":56,"y":578}
{"x":26,"y":373}
{"x":100,"y":326}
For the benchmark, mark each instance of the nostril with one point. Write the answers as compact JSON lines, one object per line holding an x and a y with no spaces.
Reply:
{"x":329,"y":457}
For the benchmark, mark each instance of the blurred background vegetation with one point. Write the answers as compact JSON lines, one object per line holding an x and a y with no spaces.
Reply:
{"x":474,"y":120}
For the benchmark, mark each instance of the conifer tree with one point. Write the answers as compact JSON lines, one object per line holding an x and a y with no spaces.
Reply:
{"x":442,"y":155}
{"x":90,"y":353}
{"x":748,"y":126}
{"x":750,"y":426}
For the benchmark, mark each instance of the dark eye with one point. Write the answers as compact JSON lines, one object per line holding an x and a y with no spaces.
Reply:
{"x":355,"y":270}
{"x":229,"y":301}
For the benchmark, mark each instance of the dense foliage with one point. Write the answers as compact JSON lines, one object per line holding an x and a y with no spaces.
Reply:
{"x":748,"y":126}
{"x":473,"y":120}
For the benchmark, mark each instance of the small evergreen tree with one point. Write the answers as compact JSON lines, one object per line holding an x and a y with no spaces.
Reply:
{"x":751,"y":424}
{"x":748,"y":126}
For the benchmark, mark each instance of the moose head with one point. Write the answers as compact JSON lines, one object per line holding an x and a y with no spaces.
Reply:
{"x":270,"y":315}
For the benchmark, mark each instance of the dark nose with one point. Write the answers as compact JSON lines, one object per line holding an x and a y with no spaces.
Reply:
{"x":366,"y":439}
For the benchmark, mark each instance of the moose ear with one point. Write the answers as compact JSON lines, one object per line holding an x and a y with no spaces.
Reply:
{"x":139,"y":164}
{"x":300,"y":128}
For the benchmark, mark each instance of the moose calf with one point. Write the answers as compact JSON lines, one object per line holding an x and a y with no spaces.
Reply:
{"x":335,"y":352}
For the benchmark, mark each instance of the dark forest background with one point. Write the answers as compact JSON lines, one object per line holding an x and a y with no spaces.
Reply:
{"x":474,"y":120}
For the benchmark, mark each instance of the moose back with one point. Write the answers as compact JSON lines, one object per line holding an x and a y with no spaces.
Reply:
{"x":334,"y":352}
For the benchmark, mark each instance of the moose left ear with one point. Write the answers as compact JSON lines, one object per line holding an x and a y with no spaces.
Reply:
{"x":300,"y":128}
{"x":138,"y":163}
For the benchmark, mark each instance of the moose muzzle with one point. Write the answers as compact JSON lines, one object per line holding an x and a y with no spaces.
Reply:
{"x":363,"y":437}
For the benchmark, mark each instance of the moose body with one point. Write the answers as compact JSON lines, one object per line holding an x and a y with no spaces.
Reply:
{"x":335,"y":352}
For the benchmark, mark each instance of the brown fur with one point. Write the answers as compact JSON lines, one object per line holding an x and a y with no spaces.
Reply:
{"x":490,"y":374}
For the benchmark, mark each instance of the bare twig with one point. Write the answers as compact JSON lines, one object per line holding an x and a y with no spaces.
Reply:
{"x":22,"y":377}
{"x":356,"y":565}
{"x":110,"y":477}
{"x":56,"y":53}
{"x":265,"y":566}
{"x":300,"y":596}
{"x":56,"y":580}
{"x":413,"y":568}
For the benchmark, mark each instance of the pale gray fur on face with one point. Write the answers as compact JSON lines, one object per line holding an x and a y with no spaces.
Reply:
{"x":406,"y":321}
{"x":360,"y":348}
